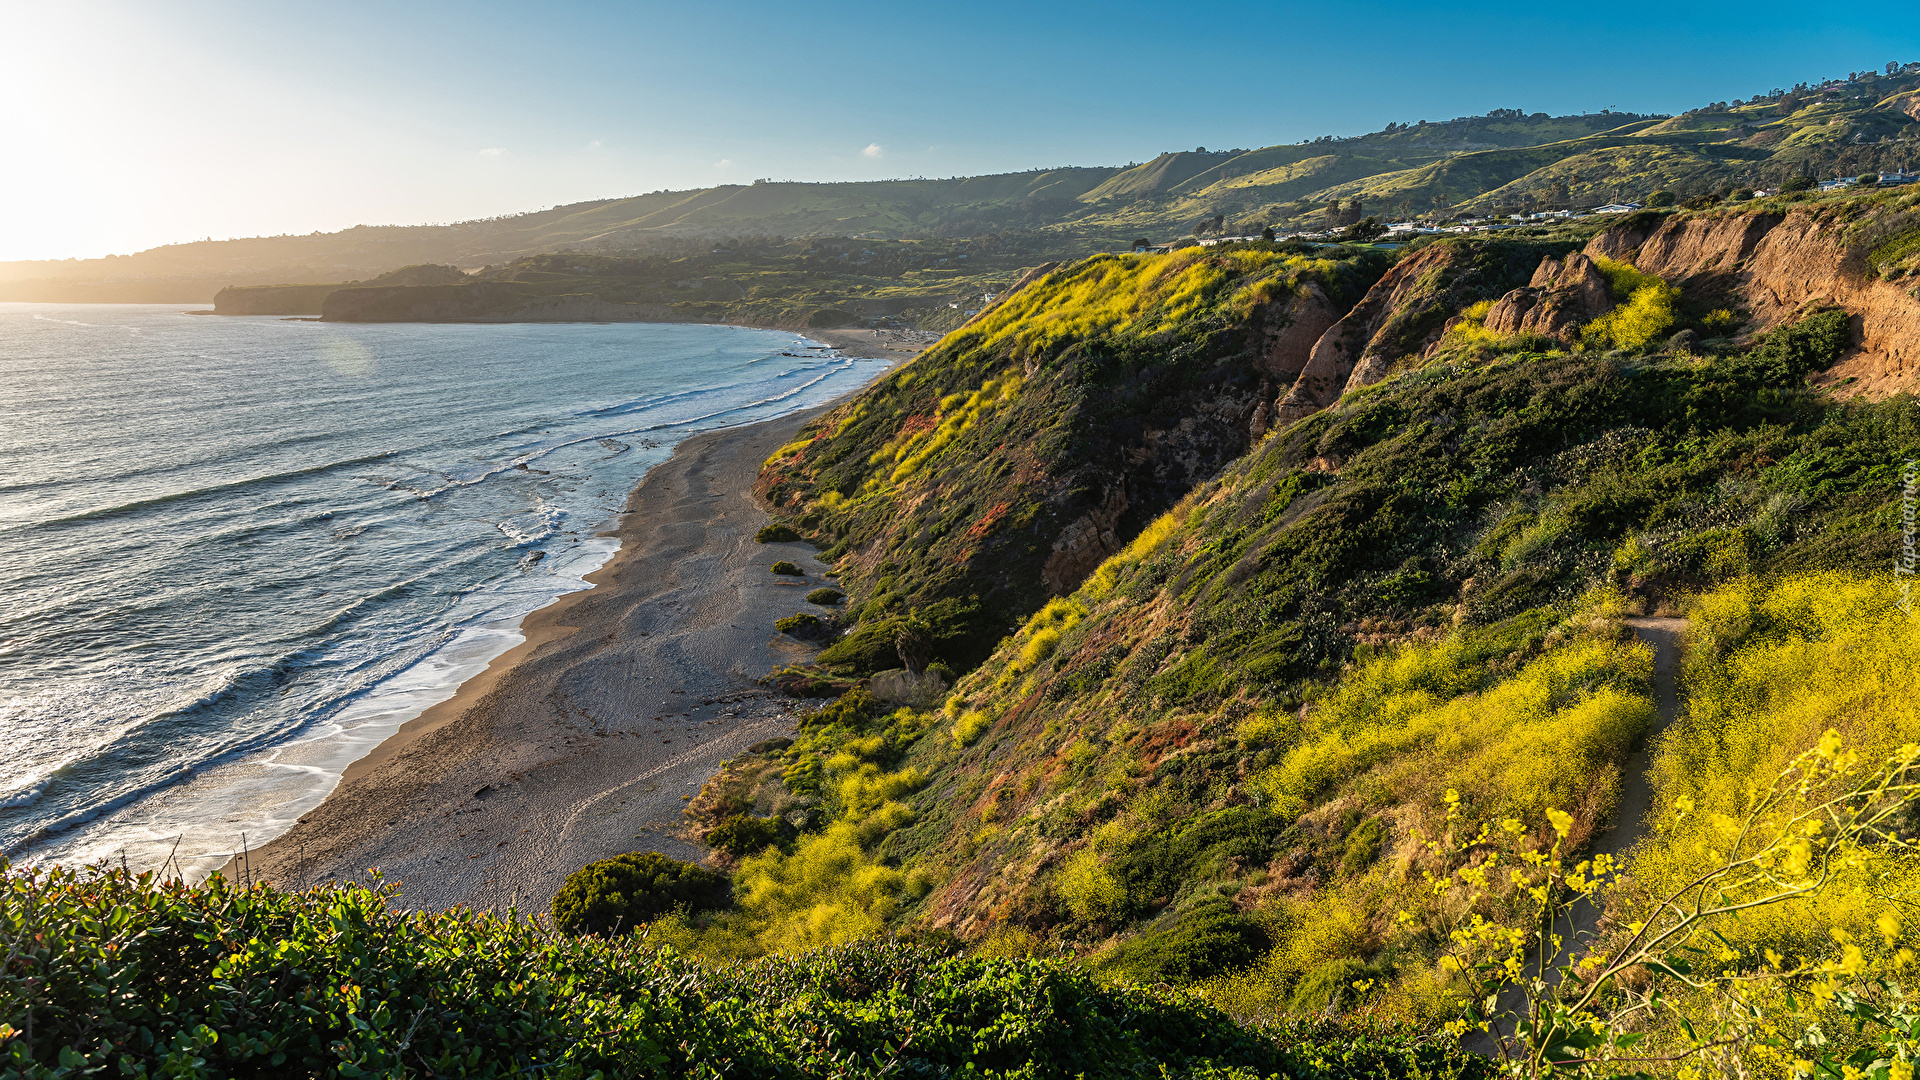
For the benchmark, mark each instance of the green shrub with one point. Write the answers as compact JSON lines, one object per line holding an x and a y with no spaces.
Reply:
{"x":1362,"y":846}
{"x":828,"y":318}
{"x":744,"y":834}
{"x":799,"y":625}
{"x":787,"y":569}
{"x":868,"y":649}
{"x":1210,"y":940}
{"x":962,"y":633}
{"x":1662,"y":197}
{"x":776,"y":534}
{"x":629,"y":890}
{"x":850,"y":710}
{"x":117,"y":975}
{"x":1327,"y":986}
{"x":1155,"y":868}
{"x":1788,"y":355}
{"x":826,"y":597}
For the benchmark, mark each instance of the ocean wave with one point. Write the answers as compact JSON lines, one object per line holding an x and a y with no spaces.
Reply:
{"x":192,"y":748}
{"x":334,"y":621}
{"x":774,"y":400}
{"x":546,"y":522}
{"x":658,"y":400}
{"x":138,"y":505}
{"x":25,"y":796}
{"x":251,"y":451}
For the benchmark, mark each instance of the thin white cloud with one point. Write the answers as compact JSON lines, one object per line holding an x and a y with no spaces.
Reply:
{"x":723,"y":163}
{"x":873,"y":150}
{"x":595,"y":145}
{"x":493,"y":151}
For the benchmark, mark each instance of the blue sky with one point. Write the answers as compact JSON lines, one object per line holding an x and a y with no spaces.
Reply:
{"x":141,"y":123}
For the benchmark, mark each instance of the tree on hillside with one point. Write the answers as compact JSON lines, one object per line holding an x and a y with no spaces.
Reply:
{"x":1364,"y":231}
{"x":1663,"y":197}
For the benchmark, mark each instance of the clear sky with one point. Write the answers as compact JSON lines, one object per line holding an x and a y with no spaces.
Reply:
{"x":130,"y":123}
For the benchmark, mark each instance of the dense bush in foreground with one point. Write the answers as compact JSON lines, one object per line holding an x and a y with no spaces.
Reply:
{"x":106,"y":974}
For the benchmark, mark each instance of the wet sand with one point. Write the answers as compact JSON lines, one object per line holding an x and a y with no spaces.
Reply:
{"x":581,"y":742}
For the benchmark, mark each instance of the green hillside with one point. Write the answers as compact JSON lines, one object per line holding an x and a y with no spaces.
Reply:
{"x":974,"y":484}
{"x":1231,"y":756}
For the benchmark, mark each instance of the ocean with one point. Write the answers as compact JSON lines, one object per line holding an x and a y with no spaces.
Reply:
{"x":237,"y":553}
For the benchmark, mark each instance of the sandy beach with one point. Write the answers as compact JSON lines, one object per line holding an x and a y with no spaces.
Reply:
{"x":582,"y":742}
{"x":873,"y":344}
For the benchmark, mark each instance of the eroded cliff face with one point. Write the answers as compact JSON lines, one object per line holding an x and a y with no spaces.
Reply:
{"x":1561,"y":297}
{"x":1773,"y":267}
{"x":1402,"y":316}
{"x":1285,"y":334}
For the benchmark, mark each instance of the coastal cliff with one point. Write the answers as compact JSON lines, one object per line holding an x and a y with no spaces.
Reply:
{"x":1000,"y":468}
{"x":311,"y":299}
{"x":483,"y":301}
{"x":272,"y":299}
{"x":1774,"y":266}
{"x":1469,"y":457}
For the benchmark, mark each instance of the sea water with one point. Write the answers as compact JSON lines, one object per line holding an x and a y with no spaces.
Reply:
{"x":237,"y":553}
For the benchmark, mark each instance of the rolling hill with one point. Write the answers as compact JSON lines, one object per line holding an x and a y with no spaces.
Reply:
{"x":1507,"y":160}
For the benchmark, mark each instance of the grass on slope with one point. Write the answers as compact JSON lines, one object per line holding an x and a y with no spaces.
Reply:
{"x":1245,"y":704}
{"x":943,"y":488}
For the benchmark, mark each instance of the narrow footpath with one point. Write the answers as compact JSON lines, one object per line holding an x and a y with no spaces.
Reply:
{"x":1630,"y":818}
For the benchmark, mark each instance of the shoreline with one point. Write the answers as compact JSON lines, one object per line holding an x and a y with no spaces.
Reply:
{"x":578,"y":743}
{"x":685,"y":596}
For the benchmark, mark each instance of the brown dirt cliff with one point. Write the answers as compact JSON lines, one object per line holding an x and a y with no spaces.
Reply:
{"x":1771,"y":267}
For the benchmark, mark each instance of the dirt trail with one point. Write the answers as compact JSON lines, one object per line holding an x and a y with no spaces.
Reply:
{"x":1630,"y":820}
{"x":1636,"y":795}
{"x":1636,"y":792}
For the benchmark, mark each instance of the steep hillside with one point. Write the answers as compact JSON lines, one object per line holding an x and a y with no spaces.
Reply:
{"x":1242,"y":742}
{"x":999,"y":469}
{"x":1132,"y":378}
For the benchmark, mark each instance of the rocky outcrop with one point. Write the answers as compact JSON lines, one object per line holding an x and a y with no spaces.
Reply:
{"x":484,"y":301}
{"x":1563,"y":296}
{"x":1084,"y":544}
{"x":1773,"y":268}
{"x":1399,"y":319}
{"x":1285,"y":334}
{"x":311,"y":299}
{"x":1339,"y":350}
